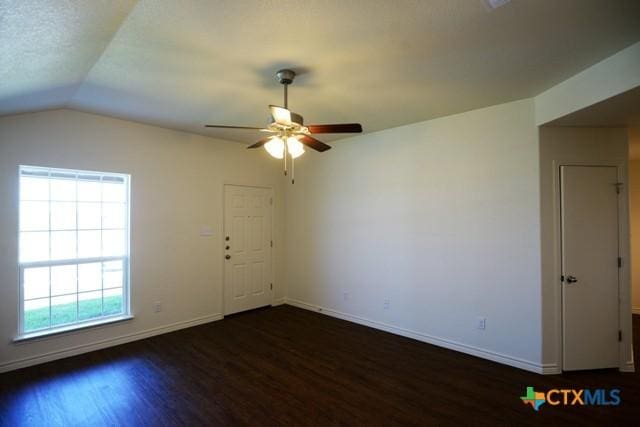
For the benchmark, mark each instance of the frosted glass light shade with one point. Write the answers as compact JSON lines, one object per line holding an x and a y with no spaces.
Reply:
{"x":294,"y":147}
{"x":275,"y":147}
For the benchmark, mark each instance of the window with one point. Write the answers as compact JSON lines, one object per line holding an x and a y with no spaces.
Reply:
{"x":74,"y":248}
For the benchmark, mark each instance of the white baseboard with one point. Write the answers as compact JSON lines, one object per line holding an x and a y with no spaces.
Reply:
{"x":636,"y":310}
{"x":546,"y":369}
{"x":85,"y":348}
{"x":550,"y":369}
{"x":451,"y":345}
{"x":628,"y":367}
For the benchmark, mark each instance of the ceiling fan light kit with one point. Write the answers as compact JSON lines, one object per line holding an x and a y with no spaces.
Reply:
{"x":276,"y":146}
{"x":290,"y":135}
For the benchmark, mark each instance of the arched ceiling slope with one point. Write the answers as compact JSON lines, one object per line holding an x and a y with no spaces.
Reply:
{"x":181,"y":64}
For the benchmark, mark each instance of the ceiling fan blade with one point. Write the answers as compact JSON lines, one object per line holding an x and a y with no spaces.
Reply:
{"x":282,"y":116}
{"x":311,"y":142}
{"x":260,"y":143}
{"x":232,"y":127}
{"x":336,"y":128}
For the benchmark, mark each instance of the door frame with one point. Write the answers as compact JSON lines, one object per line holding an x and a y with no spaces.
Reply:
{"x":624,"y":281}
{"x":222,"y":241}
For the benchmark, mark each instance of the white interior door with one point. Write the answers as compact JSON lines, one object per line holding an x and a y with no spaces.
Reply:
{"x":247,"y":248}
{"x":589,"y":206}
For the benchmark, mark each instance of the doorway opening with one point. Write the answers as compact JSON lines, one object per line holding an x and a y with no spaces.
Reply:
{"x":604,"y":135}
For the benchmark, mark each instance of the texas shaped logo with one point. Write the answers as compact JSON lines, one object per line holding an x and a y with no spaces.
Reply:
{"x":533,"y":398}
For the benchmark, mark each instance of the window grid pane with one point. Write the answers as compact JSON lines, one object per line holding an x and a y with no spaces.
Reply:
{"x":61,"y":309}
{"x":67,"y":216}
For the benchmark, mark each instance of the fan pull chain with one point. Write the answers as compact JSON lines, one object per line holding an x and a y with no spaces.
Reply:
{"x":293,"y":171}
{"x":285,"y":157}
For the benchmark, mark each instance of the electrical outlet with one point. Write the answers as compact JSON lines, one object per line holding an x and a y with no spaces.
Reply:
{"x":157,"y":306}
{"x":481,"y":323}
{"x":386,"y":304}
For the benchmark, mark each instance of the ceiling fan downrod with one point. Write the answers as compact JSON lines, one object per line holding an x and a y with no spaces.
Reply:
{"x":285,"y":77}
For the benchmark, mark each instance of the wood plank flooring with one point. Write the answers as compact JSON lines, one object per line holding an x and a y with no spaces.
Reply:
{"x":287,"y":366}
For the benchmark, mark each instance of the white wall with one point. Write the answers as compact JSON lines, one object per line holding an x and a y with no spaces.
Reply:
{"x":562,"y":145}
{"x":439,"y":217}
{"x":634,"y":211}
{"x":442,"y":218}
{"x":177,"y":181}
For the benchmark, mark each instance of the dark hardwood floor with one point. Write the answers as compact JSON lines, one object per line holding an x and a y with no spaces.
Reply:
{"x":286,"y":366}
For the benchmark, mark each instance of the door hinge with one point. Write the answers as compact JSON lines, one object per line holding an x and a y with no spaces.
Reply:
{"x":272,"y":243}
{"x":271,"y":200}
{"x":619,"y":186}
{"x":619,"y":335}
{"x":271,"y":286}
{"x":619,"y":262}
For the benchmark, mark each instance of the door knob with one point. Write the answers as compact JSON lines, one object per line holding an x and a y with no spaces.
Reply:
{"x":227,"y":256}
{"x":571,"y":279}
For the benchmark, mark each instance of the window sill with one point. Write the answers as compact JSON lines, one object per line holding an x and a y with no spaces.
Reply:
{"x":32,"y":336}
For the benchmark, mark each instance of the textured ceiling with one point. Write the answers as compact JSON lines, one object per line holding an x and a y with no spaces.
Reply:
{"x":48,"y":47}
{"x":181,"y":64}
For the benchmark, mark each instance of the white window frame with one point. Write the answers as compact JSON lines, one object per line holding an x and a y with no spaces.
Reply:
{"x":125,"y":258}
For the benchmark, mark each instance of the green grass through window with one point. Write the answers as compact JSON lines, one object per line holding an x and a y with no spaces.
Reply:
{"x":72,"y":312}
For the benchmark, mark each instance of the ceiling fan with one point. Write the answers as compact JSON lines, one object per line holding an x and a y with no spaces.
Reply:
{"x":289,"y":133}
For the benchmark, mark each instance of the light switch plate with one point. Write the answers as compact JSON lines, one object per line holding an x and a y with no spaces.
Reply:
{"x":206,"y":231}
{"x":494,"y":4}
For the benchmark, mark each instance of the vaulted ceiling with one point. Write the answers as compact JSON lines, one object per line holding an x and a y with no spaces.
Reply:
{"x":181,"y":64}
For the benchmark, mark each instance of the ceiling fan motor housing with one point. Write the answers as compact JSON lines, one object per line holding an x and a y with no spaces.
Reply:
{"x":295,"y":118}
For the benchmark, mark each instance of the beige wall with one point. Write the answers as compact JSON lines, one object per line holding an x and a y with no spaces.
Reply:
{"x":562,"y":145}
{"x":634,"y":211}
{"x":447,"y":220}
{"x":440,"y":218}
{"x":176,"y":187}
